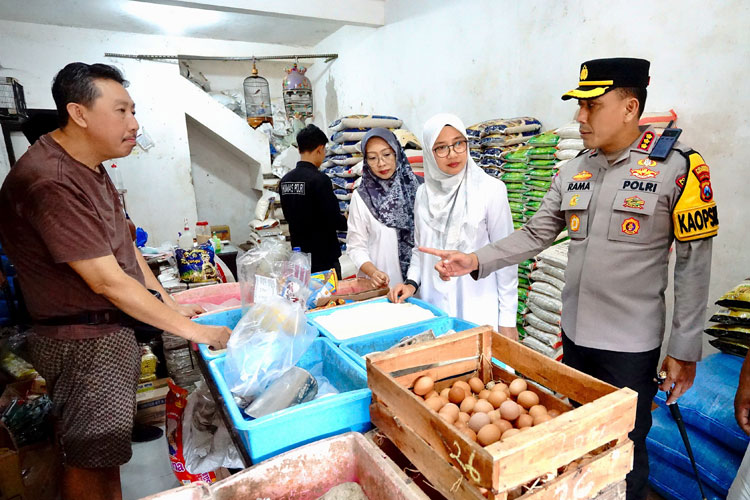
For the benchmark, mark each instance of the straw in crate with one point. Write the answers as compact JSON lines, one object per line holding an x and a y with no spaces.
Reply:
{"x":510,"y":468}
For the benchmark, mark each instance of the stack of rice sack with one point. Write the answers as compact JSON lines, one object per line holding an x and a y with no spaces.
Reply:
{"x":542,"y":168}
{"x":524,"y":285}
{"x":732,"y":322}
{"x":474,"y":133}
{"x":544,"y":302}
{"x":570,"y":143}
{"x":412,"y":148}
{"x":343,"y":163}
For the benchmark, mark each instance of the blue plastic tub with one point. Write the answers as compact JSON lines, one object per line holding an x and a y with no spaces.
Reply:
{"x":357,"y":348}
{"x":311,"y":318}
{"x":284,"y":430}
{"x":224,"y":318}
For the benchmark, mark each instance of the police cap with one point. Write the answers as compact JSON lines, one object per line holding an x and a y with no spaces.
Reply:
{"x":599,"y":76}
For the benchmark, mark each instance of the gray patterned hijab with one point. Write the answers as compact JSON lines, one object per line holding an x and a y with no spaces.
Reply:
{"x":391,"y":201}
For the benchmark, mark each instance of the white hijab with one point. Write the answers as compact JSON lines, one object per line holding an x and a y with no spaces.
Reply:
{"x":451,"y":210}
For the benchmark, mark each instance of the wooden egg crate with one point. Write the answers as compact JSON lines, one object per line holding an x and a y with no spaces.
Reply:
{"x":458,"y":467}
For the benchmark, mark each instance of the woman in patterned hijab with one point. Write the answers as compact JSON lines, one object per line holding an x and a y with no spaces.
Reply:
{"x":381,"y":214}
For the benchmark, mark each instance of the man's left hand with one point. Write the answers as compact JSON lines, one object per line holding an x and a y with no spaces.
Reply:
{"x":189,"y":310}
{"x":680,"y":376}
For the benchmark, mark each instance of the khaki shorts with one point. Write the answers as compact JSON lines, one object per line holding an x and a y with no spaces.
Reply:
{"x":92,"y":383}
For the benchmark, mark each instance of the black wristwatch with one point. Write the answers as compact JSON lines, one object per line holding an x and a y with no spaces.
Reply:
{"x":412,"y":283}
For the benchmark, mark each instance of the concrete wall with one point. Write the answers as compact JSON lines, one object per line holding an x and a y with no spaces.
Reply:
{"x":159,"y":182}
{"x":484,"y":59}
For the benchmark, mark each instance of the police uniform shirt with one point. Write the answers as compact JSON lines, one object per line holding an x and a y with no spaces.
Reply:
{"x":622,"y":219}
{"x":312,"y":211}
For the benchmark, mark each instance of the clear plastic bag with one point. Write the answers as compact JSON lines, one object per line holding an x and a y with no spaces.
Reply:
{"x":260,"y":271}
{"x":269,"y":339}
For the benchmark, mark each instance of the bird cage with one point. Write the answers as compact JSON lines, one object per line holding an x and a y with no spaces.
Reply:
{"x":257,"y":100}
{"x":12,"y":101}
{"x":298,"y":98}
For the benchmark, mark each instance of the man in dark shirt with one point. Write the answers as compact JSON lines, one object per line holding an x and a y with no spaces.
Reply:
{"x":64,"y":228}
{"x":310,"y":206}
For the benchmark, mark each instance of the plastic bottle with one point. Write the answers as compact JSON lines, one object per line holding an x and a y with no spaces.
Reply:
{"x":299,"y":265}
{"x":202,"y":232}
{"x":185,"y":240}
{"x":116,"y":177}
{"x":216,"y":242}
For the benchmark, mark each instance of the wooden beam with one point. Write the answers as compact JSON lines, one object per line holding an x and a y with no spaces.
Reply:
{"x":356,"y":12}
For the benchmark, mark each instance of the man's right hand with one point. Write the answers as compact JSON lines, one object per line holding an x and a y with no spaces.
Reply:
{"x":452,"y":262}
{"x":401,"y":292}
{"x":215,"y":336}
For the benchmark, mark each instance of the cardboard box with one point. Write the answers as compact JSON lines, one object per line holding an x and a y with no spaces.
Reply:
{"x":151,"y":401}
{"x":28,"y":473}
{"x":222,"y":232}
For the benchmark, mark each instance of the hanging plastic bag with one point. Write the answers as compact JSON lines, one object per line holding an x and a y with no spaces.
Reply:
{"x":260,"y":271}
{"x":269,"y":339}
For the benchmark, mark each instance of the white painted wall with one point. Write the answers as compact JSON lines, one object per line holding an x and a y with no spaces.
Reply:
{"x":484,"y":59}
{"x":159,"y":182}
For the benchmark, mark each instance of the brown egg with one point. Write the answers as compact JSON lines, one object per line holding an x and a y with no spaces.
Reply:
{"x":458,"y":424}
{"x":484,"y":406}
{"x":541,"y":419}
{"x":477,"y":421}
{"x":509,"y":433}
{"x":444,"y":393}
{"x":537,"y":410}
{"x":463,"y":417}
{"x":524,"y":429}
{"x":488,"y":435}
{"x":553,"y":413}
{"x":483,"y":394}
{"x":423,"y":385}
{"x":527,"y":399}
{"x":494,"y":415}
{"x":524,"y":421}
{"x":476,"y":385}
{"x":469,"y":433}
{"x":444,"y":400}
{"x":524,"y":411}
{"x":447,"y":416}
{"x":463,"y":385}
{"x":500,"y":387}
{"x":467,"y":405}
{"x":435,"y":403}
{"x":456,"y":395}
{"x":452,"y":408}
{"x":430,"y":394}
{"x":503,"y":425}
{"x":449,"y":413}
{"x":496,"y":398}
{"x":509,"y":410}
{"x":517,"y":387}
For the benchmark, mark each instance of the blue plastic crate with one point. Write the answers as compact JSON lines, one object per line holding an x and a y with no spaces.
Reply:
{"x":357,"y":348}
{"x":284,"y":430}
{"x":311,"y":317}
{"x":224,"y":318}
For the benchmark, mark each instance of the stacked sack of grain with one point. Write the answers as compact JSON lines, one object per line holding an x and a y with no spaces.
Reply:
{"x":542,"y":169}
{"x":544,"y":302}
{"x":570,"y":143}
{"x":524,"y":270}
{"x":731,"y":327}
{"x":474,"y":133}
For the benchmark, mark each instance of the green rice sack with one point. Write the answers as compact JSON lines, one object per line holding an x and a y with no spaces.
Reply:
{"x":516,"y":206}
{"x":537,"y":185}
{"x":515,"y":187}
{"x":519,"y":155}
{"x":547,"y":139}
{"x":514,"y":177}
{"x":544,"y":174}
{"x":517,"y":224}
{"x":542,"y":163}
{"x":542,"y":153}
{"x":515,"y":196}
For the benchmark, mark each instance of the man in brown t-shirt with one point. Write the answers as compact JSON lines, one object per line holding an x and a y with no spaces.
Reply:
{"x":64,"y":228}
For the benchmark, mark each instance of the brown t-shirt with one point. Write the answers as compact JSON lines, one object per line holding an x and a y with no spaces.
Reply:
{"x":55,"y":210}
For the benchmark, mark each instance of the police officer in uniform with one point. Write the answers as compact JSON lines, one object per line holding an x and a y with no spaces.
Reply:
{"x":310,"y":206}
{"x":623,"y":211}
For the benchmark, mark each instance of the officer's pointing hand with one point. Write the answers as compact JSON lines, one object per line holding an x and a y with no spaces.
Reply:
{"x":452,"y":262}
{"x":680,"y":376}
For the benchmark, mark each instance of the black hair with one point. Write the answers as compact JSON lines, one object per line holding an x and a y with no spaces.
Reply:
{"x":639,"y":93}
{"x":75,"y":83}
{"x":309,"y":138}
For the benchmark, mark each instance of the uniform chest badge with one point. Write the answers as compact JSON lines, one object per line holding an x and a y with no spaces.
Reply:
{"x":574,"y":200}
{"x":647,"y":162}
{"x":704,"y":177}
{"x":680,"y":181}
{"x":643,"y":173}
{"x":582,"y":175}
{"x":631,"y":226}
{"x":634,"y":202}
{"x":646,"y":141}
{"x":575,"y":223}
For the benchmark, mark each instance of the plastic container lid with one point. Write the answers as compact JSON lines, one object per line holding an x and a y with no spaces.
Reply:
{"x":201,"y":223}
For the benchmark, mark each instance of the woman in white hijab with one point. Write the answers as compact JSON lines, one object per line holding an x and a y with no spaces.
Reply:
{"x":459,"y":207}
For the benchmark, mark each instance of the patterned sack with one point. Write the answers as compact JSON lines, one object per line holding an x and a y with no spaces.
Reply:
{"x":508,"y":126}
{"x":347,"y":159}
{"x":345,"y":147}
{"x":500,"y":140}
{"x":349,"y":135}
{"x":365,"y":121}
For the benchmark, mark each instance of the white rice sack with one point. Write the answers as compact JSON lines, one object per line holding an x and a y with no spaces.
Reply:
{"x":569,"y":131}
{"x":546,"y":316}
{"x":576,"y":144}
{"x":540,"y":324}
{"x":345,"y":148}
{"x":349,"y":135}
{"x":566,"y":154}
{"x":546,"y":289}
{"x":542,"y":348}
{"x":549,"y":339}
{"x":365,"y":121}
{"x":357,"y":168}
{"x":554,"y":271}
{"x":349,"y":159}
{"x":546,"y":302}
{"x":537,"y":276}
{"x":556,"y":255}
{"x":407,"y":139}
{"x":560,"y":164}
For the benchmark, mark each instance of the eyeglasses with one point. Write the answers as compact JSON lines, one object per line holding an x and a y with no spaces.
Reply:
{"x":443,"y":151}
{"x":374,"y":160}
